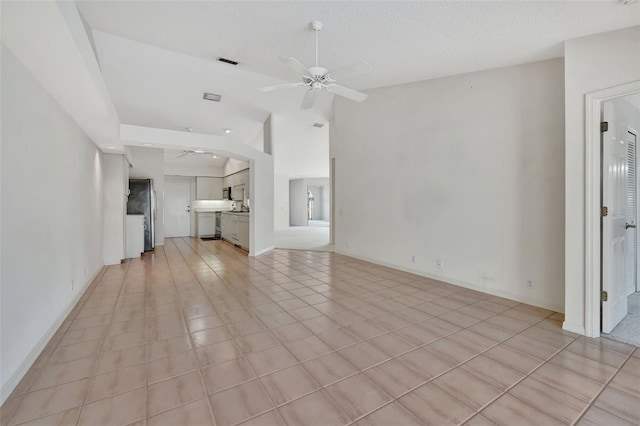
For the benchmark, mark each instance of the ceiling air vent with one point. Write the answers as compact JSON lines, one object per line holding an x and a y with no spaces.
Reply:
{"x":318,"y":125}
{"x":211,"y":97}
{"x":227,"y":61}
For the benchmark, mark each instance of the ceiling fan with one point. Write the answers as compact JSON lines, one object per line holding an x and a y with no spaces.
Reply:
{"x":196,"y":152}
{"x":318,"y":78}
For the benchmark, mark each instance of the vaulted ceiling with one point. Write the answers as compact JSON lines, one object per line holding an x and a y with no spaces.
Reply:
{"x":158,"y":57}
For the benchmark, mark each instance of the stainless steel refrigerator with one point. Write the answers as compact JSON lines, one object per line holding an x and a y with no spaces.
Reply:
{"x":142,"y":200}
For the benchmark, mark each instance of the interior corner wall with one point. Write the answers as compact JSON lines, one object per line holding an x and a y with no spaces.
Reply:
{"x":297,"y":202}
{"x":468,"y":169}
{"x":281,"y":201}
{"x":115,"y":172}
{"x":326,"y":202}
{"x":52,"y":217}
{"x":148,"y":163}
{"x":316,"y":211}
{"x":592,"y":63}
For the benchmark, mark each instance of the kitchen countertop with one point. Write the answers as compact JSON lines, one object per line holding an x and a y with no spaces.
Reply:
{"x":219,"y":210}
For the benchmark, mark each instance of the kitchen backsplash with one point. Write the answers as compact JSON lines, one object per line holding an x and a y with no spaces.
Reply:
{"x":211,"y":204}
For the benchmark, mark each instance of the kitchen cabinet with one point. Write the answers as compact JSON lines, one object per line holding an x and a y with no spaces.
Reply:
{"x":225,"y":224}
{"x":243,"y":232}
{"x":235,"y":229}
{"x":238,"y":193}
{"x":206,"y":224}
{"x":134,"y":241}
{"x":208,"y":188}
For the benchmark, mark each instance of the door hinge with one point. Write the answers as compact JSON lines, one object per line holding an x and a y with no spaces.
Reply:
{"x":604,"y":126}
{"x":604,"y":296}
{"x":605,"y":211}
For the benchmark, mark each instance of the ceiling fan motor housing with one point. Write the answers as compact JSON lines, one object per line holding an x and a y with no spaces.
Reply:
{"x":318,"y":71}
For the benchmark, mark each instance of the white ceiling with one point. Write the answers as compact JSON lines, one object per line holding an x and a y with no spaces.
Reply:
{"x":174,"y":156}
{"x":158,"y":57}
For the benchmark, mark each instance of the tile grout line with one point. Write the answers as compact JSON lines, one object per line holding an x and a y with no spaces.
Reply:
{"x":602,"y":389}
{"x":243,"y":356}
{"x":193,"y":347}
{"x":95,"y":366}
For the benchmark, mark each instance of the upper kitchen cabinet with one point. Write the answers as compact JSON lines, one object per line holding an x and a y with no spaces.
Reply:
{"x":208,"y":188}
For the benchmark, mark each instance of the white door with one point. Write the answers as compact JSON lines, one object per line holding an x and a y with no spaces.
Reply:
{"x":632,"y":212}
{"x":614,"y":232}
{"x":177,"y":206}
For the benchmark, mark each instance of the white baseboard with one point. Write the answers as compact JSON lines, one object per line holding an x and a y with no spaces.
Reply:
{"x":263,"y":251}
{"x":574,"y":328}
{"x":494,"y":292}
{"x":15,"y":378}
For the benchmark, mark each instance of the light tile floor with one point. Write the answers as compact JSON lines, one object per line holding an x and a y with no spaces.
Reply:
{"x":197,"y":333}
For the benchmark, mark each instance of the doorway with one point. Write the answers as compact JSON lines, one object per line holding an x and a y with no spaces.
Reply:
{"x":309,"y":216}
{"x":177,"y":206}
{"x":613,"y":300}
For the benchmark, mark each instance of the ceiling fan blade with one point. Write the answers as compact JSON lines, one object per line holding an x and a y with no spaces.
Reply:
{"x":354,"y":95}
{"x":280,"y":86}
{"x":296,"y":65}
{"x":350,"y":71}
{"x":309,"y":98}
{"x":183,"y":154}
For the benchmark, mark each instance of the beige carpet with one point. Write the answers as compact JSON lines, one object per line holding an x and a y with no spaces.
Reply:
{"x":628,"y":331}
{"x":315,"y":238}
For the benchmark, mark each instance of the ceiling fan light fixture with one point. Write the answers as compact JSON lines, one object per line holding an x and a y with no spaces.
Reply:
{"x":316,"y":78}
{"x":188,"y":129}
{"x":199,"y":151}
{"x":227,"y":131}
{"x":214,"y":156}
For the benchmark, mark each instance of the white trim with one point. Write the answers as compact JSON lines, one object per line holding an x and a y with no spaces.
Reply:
{"x":494,"y":292}
{"x":24,"y":367}
{"x":572,"y":327}
{"x":593,"y":106}
{"x":263,"y":251}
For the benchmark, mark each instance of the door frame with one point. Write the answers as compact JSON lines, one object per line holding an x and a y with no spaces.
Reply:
{"x":593,"y":176}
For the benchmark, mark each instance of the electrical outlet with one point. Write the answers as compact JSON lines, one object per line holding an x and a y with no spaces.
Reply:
{"x":439,"y":263}
{"x":413,"y":259}
{"x":346,"y":244}
{"x":84,"y":272}
{"x":529,"y":283}
{"x":72,"y":285}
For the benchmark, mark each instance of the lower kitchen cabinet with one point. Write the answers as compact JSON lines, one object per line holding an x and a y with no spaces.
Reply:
{"x":235,"y":229}
{"x":243,"y":231}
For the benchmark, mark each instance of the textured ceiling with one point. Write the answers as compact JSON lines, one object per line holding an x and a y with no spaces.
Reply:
{"x":404,"y":41}
{"x":174,"y":156}
{"x":158,"y":57}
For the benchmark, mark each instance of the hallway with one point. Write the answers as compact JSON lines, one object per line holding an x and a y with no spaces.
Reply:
{"x":198,"y":331}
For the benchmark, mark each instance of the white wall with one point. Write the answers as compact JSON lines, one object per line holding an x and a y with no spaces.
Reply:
{"x":467,"y":169}
{"x":148,"y":163}
{"x":299,"y":149}
{"x":52,"y":220}
{"x":591,"y":63}
{"x":316,"y":211}
{"x":326,"y":202}
{"x":297,"y":203}
{"x":281,"y":201}
{"x":233,"y":165}
{"x":115,"y":172}
{"x":193,"y":170}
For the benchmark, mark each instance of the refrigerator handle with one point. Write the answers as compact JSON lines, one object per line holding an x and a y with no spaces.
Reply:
{"x":155,"y":204}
